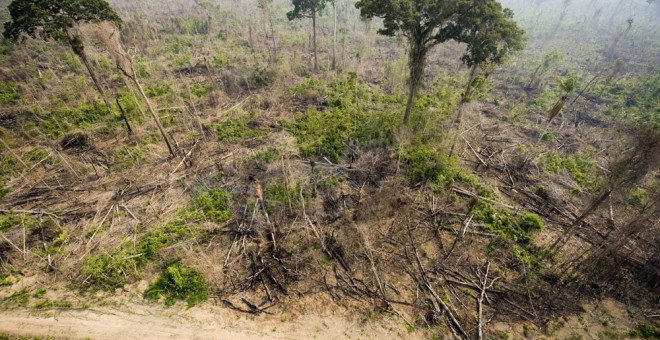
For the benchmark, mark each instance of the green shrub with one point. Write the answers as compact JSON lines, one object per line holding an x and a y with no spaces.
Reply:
{"x":354,"y":113}
{"x":645,"y":331}
{"x":157,"y":90}
{"x":179,"y":283}
{"x":200,"y":90}
{"x":262,"y":77}
{"x":638,"y":198}
{"x":214,"y":205}
{"x":518,"y":228}
{"x":9,"y":221}
{"x":530,"y":222}
{"x":5,"y":281}
{"x":425,"y":163}
{"x":3,"y":190}
{"x":235,"y":130}
{"x":267,"y":155}
{"x":578,"y":167}
{"x":8,"y":166}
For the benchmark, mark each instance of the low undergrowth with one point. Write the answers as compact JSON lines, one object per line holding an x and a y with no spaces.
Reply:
{"x":111,"y":270}
{"x":178,"y":282}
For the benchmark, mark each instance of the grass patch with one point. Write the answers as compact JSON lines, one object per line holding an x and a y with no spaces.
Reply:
{"x":580,"y":168}
{"x":344,"y":109}
{"x":645,"y":331}
{"x":178,"y":283}
{"x":112,"y":270}
{"x":9,"y":221}
{"x":235,"y":130}
{"x":518,"y":228}
{"x":52,"y":304}
{"x":128,"y":156}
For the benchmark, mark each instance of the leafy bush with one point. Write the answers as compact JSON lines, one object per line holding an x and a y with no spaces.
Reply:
{"x":9,"y":221}
{"x":235,"y":130}
{"x":638,"y":198}
{"x":353,"y":112}
{"x":214,"y":205}
{"x":530,"y":222}
{"x":518,"y":228}
{"x":425,"y":163}
{"x":200,"y":90}
{"x":179,"y":283}
{"x":5,"y":281}
{"x":580,"y":168}
{"x":157,"y":90}
{"x":645,"y":331}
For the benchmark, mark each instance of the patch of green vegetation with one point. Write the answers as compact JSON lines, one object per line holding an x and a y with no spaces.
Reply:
{"x":190,"y":25}
{"x":3,"y":190}
{"x":19,"y":299}
{"x":278,"y":195}
{"x":177,"y":44}
{"x":112,"y":270}
{"x":52,"y":304}
{"x":39,"y":155}
{"x":130,"y":105}
{"x":9,"y":93}
{"x":127,"y":156}
{"x":638,"y":198}
{"x":580,"y":168}
{"x":635,"y":100}
{"x":262,"y":77}
{"x":235,"y":130}
{"x":518,"y":228}
{"x":10,"y":220}
{"x":158,"y":89}
{"x":267,"y":155}
{"x":63,"y":118}
{"x":645,"y":331}
{"x":39,"y":293}
{"x":5,"y":280}
{"x":426,"y":163}
{"x":8,"y":166}
{"x":213,"y":205}
{"x":343,"y":110}
{"x":179,"y":283}
{"x":200,"y":90}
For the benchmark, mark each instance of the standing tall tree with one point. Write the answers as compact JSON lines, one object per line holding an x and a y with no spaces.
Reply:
{"x":57,"y":20}
{"x":308,"y":9}
{"x":491,"y":35}
{"x":426,"y":23}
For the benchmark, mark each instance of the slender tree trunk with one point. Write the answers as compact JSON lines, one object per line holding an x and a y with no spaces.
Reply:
{"x":79,"y":50}
{"x":416,"y":64}
{"x":334,"y":40}
{"x":468,"y":90}
{"x":123,"y":116}
{"x":316,"y":62}
{"x":272,"y":35}
{"x":134,"y":78}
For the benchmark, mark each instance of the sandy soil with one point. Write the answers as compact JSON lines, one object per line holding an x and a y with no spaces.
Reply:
{"x":206,"y":322}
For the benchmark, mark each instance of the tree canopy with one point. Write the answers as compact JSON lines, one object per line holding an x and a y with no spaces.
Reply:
{"x":305,"y":8}
{"x":490,"y":33}
{"x":483,"y":25}
{"x":52,"y":19}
